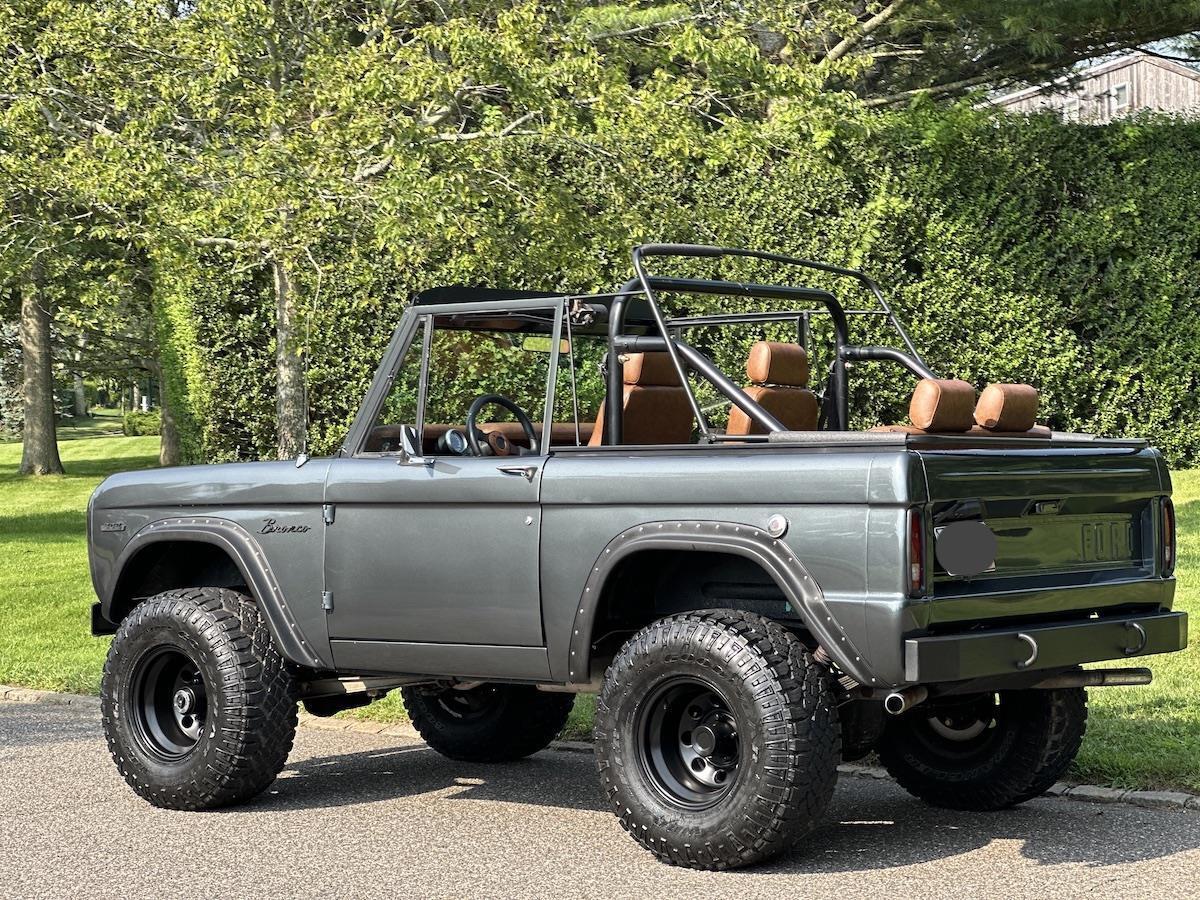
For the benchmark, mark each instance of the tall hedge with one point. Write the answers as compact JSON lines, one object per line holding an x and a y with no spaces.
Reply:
{"x":1016,"y":249}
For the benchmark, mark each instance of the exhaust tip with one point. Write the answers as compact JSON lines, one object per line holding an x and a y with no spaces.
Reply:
{"x":898,"y":702}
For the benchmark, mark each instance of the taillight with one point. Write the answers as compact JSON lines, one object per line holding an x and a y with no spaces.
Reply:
{"x":1168,"y":536}
{"x":916,"y":553}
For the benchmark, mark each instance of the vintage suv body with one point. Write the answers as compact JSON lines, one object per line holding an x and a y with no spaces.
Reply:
{"x":748,"y":601}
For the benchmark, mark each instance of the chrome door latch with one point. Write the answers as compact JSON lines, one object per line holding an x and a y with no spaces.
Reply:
{"x":527,"y":472}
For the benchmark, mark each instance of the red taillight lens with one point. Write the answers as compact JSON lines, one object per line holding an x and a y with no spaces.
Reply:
{"x":916,"y":553}
{"x":1168,"y":536}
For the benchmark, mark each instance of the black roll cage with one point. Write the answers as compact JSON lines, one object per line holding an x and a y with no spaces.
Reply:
{"x":684,"y":355}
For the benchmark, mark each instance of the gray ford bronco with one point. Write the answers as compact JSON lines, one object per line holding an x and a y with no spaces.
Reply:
{"x":543,"y":495}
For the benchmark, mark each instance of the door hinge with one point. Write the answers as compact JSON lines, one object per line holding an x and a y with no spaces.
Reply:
{"x":328,"y":512}
{"x":327,"y":600}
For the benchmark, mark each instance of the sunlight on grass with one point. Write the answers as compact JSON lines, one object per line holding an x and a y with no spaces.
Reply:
{"x":45,"y":589}
{"x":1150,"y":736}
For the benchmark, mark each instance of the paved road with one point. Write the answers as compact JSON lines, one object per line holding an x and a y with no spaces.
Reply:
{"x":358,"y":815}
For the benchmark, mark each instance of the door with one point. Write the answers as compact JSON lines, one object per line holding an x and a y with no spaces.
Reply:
{"x":441,"y":553}
{"x":431,"y":557}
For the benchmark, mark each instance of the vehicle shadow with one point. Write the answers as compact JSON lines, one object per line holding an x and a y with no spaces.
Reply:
{"x":870,"y":825}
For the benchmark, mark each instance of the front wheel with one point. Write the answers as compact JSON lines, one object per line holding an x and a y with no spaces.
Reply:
{"x":198,"y":705}
{"x":717,"y":739}
{"x":985,"y":751}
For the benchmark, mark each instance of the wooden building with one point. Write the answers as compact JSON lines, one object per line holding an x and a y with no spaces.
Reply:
{"x":1113,"y":89}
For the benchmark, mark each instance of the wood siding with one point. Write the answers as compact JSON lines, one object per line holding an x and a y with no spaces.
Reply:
{"x":1149,"y":85}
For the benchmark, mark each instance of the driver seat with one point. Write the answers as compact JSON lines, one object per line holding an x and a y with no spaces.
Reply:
{"x":655,"y":405}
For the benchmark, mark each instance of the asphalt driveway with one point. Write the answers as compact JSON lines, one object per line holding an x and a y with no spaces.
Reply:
{"x":358,"y":815}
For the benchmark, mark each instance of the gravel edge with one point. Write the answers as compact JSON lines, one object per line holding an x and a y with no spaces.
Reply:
{"x":1087,"y":793}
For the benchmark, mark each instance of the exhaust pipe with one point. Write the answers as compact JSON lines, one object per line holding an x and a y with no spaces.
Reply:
{"x":902,"y":701}
{"x":1098,"y":678}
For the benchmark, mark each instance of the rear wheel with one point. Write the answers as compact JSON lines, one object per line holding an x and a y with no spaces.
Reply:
{"x":487,"y":722}
{"x":717,"y":739}
{"x":198,"y":706}
{"x":985,"y":751}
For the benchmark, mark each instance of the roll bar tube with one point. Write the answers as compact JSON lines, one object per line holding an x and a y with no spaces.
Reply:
{"x":675,"y":349}
{"x":616,"y":326}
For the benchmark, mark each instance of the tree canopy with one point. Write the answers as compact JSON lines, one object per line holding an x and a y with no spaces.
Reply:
{"x":312,"y":156}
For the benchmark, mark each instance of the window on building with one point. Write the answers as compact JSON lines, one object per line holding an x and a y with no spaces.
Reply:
{"x":1119,"y":99}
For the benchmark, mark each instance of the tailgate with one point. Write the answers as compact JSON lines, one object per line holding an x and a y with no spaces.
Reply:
{"x":1076,"y":529}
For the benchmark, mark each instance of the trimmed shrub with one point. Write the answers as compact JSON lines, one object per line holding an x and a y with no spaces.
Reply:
{"x":1015,"y":249}
{"x":140,"y":423}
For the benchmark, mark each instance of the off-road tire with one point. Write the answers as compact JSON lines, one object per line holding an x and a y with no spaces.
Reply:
{"x":489,"y":723}
{"x":782,"y":703}
{"x":249,"y":695}
{"x":1034,"y":742}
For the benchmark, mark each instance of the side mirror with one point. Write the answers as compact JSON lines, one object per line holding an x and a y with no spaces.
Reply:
{"x":410,"y":448}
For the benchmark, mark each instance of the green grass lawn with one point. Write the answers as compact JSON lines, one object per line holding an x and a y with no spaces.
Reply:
{"x":1137,"y":737}
{"x":45,"y":589}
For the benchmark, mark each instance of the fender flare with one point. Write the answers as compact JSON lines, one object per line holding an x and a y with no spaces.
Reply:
{"x":740,"y":539}
{"x":247,"y":555}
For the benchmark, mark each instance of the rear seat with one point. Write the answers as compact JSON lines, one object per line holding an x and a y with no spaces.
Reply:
{"x":947,"y":406}
{"x":938,"y":406}
{"x":1008,"y":410}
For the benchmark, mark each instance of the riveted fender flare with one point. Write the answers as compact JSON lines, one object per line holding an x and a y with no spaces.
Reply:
{"x":247,"y":555}
{"x":749,"y":541}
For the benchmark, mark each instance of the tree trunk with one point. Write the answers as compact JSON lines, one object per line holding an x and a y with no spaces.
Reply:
{"x":80,"y":392}
{"x":80,"y":396}
{"x":39,"y":451}
{"x":168,"y":448}
{"x":289,"y":392}
{"x":135,"y":396}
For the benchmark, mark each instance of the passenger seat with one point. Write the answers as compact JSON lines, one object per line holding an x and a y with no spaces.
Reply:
{"x":778,"y":375}
{"x":655,"y":405}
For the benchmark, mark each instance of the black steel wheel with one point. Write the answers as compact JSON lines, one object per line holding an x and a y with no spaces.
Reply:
{"x":689,"y":746}
{"x":170,"y":703}
{"x":717,"y":739}
{"x":199,"y":707}
{"x":985,"y":751}
{"x":487,"y":722}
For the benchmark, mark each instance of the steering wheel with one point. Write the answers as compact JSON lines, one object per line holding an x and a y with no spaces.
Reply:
{"x":478,"y":440}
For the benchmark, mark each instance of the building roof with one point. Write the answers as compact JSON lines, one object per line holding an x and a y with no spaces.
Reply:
{"x":1064,"y":82}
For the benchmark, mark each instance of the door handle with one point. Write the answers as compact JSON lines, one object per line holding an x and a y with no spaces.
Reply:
{"x":526,"y":472}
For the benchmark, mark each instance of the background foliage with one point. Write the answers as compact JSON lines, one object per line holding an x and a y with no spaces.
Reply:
{"x":239,"y":197}
{"x":1064,"y":256}
{"x":10,"y":381}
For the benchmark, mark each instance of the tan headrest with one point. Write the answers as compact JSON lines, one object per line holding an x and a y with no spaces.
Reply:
{"x":1007,"y":407}
{"x":942,"y":405}
{"x":774,"y":362}
{"x":649,"y":369}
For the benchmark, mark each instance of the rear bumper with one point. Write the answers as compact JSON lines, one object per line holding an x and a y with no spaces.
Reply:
{"x":958,"y":657}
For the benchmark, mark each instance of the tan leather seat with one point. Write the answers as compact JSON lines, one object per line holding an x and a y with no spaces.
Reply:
{"x":655,"y":405}
{"x":947,"y":406}
{"x":778,"y":373}
{"x":938,"y":406}
{"x":1008,"y":410}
